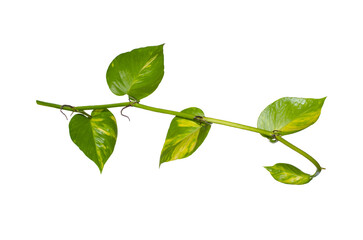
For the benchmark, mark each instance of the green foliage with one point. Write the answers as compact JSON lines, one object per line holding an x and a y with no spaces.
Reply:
{"x":289,"y":115}
{"x":136,"y":73}
{"x":184,"y":136}
{"x":95,"y":136}
{"x":286,"y":173}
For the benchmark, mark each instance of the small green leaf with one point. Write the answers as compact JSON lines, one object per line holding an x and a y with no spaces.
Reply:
{"x":137,"y":73}
{"x":184,"y":136}
{"x":95,"y":136}
{"x":286,"y":173}
{"x":289,"y":115}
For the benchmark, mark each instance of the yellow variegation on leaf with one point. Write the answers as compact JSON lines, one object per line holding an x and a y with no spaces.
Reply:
{"x":289,"y":114}
{"x":184,"y":136}
{"x":288,"y":174}
{"x":95,"y":136}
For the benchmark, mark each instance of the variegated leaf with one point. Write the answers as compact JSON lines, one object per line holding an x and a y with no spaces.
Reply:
{"x":289,"y":174}
{"x":289,"y":115}
{"x":184,"y":136}
{"x":95,"y":136}
{"x":137,"y":73}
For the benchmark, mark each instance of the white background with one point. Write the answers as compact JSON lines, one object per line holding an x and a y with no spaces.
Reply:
{"x":229,"y":58}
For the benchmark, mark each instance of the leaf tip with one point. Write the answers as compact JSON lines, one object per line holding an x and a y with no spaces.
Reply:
{"x":268,"y":168}
{"x":161,"y":162}
{"x":160,"y":46}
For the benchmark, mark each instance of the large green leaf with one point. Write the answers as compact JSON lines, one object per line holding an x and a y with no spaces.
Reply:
{"x":289,"y":115}
{"x":289,"y":174}
{"x":184,"y":136}
{"x":95,"y":136}
{"x":136,"y":73}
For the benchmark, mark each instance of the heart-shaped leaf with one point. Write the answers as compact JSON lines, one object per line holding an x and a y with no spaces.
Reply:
{"x":289,"y":115}
{"x":289,"y":174}
{"x":95,"y":136}
{"x":137,"y":73}
{"x":184,"y":136}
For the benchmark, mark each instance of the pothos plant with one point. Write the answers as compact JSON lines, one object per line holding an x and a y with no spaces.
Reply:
{"x":138,"y":73}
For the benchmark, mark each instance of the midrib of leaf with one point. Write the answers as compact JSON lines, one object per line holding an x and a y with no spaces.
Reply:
{"x":183,"y":142}
{"x":135,"y":80}
{"x":94,"y":142}
{"x":189,"y":134}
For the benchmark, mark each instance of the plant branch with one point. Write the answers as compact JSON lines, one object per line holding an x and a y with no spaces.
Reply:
{"x":238,"y":125}
{"x":159,"y":110}
{"x":298,"y":150}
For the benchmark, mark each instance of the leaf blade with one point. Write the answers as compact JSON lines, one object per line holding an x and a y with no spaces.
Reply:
{"x":96,"y":136}
{"x":136,"y":73}
{"x":288,"y":174}
{"x":184,"y":137}
{"x":289,"y":115}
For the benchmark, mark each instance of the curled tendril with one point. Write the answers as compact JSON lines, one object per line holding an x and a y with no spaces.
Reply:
{"x":74,"y":109}
{"x":65,"y":105}
{"x":124,"y":114}
{"x":132,"y":101}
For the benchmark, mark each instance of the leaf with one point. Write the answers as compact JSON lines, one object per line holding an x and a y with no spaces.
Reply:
{"x":137,"y":73}
{"x":288,"y":174}
{"x":289,"y":115}
{"x":95,"y":136}
{"x":184,"y":136}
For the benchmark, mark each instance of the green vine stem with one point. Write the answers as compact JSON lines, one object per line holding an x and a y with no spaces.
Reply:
{"x":296,"y":149}
{"x":159,"y":110}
